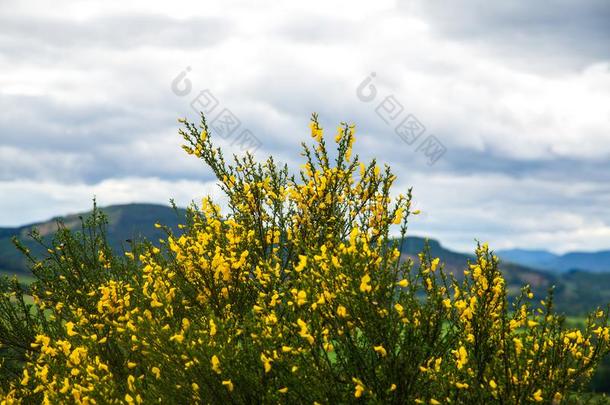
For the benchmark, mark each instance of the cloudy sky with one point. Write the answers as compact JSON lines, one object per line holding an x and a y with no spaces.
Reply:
{"x":516,"y":93}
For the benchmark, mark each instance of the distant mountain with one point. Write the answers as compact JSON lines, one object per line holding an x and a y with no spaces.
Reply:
{"x":129,"y":221}
{"x":533,"y":258}
{"x":516,"y":275}
{"x":597,"y":262}
{"x":124,"y":222}
{"x":575,"y":291}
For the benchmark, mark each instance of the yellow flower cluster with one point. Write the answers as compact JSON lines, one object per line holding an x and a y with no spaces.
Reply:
{"x":298,"y":293}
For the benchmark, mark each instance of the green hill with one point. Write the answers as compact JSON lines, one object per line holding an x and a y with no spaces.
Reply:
{"x":515,"y":275}
{"x":125,"y":222}
{"x":576,"y":292}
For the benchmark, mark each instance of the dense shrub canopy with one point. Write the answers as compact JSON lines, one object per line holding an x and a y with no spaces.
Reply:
{"x":296,"y":294}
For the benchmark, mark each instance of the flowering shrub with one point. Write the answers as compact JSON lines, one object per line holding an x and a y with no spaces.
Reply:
{"x":296,"y":294}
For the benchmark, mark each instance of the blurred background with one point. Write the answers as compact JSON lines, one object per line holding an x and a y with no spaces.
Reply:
{"x":498,"y":114}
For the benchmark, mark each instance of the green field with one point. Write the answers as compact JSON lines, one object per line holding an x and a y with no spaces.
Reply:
{"x":23,"y":278}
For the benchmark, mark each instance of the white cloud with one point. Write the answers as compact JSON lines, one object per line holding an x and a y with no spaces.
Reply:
{"x":509,"y":212}
{"x":31,"y":201}
{"x":521,"y":104}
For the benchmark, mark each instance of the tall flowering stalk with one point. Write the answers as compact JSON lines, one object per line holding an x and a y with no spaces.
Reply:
{"x":296,"y":294}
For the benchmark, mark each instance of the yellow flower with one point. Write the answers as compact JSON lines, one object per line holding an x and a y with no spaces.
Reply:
{"x":461,"y":356}
{"x":339,"y":134}
{"x":403,"y":283}
{"x":518,"y":345}
{"x":537,"y":396}
{"x":380,"y":350}
{"x":215,"y":364}
{"x":228,"y":384}
{"x":304,"y":332}
{"x":70,"y":329}
{"x":130,"y":383}
{"x":341,"y":311}
{"x":359,"y":389}
{"x":493,"y":384}
{"x":177,"y":337}
{"x":398,"y":217}
{"x":316,"y":131}
{"x":434,"y":264}
{"x":283,"y":390}
{"x":212,"y":327}
{"x":156,"y":372}
{"x":301,"y":298}
{"x":302,"y":263}
{"x":364,"y":283}
{"x":266,"y":362}
{"x":65,"y":387}
{"x":26,"y":377}
{"x":77,"y":355}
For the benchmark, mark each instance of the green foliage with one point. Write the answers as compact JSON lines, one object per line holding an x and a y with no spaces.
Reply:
{"x":125,"y":222}
{"x":297,"y":294}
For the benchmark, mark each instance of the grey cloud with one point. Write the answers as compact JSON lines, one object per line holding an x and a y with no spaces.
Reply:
{"x":378,"y":139}
{"x":116,"y":32}
{"x":572,"y":33}
{"x":311,"y":27}
{"x":45,"y":139}
{"x":43,"y":122}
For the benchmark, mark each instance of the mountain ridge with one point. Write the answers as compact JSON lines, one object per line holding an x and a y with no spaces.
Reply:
{"x":125,"y":221}
{"x":576,"y":292}
{"x":596,"y":262}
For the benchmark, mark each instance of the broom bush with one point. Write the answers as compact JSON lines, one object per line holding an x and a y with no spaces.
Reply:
{"x":297,"y":293}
